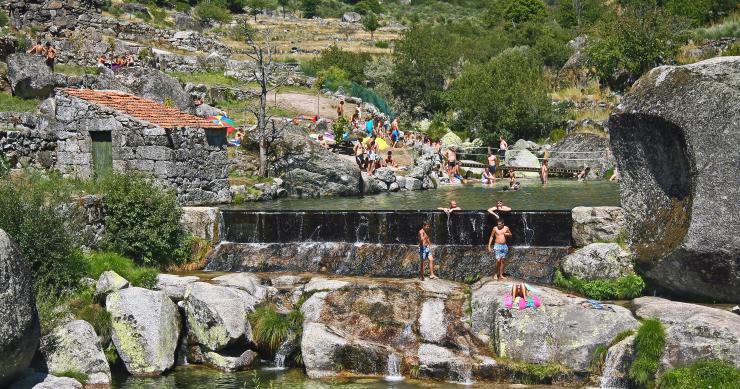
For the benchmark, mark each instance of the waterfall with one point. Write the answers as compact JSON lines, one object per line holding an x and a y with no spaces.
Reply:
{"x":282,"y":353}
{"x":461,"y":374}
{"x":528,"y":231}
{"x":394,"y":368}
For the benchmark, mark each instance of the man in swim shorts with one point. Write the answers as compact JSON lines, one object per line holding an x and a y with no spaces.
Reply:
{"x":425,"y":252}
{"x":499,"y":234}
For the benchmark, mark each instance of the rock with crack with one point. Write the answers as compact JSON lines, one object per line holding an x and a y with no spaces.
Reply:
{"x":145,"y":329}
{"x":174,"y":286}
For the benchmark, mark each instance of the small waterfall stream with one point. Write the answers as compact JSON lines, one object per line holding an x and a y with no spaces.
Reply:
{"x":281,"y":354}
{"x":527,"y":230}
{"x":394,"y":368}
{"x":461,"y":374}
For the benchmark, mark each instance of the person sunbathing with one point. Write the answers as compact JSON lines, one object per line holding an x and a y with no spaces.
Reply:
{"x":519,"y":290}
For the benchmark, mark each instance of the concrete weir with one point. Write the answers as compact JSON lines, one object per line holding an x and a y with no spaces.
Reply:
{"x":384,"y":244}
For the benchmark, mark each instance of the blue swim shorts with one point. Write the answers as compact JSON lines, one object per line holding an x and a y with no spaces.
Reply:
{"x":500,"y":250}
{"x":424,"y":252}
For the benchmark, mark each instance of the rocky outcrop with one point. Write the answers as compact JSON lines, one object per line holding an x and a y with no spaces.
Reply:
{"x":217,"y":316}
{"x":145,"y":329}
{"x":155,"y":85}
{"x":351,"y":17}
{"x":109,"y":282}
{"x":19,"y":322}
{"x":693,"y":332}
{"x":598,"y":261}
{"x":674,"y":137}
{"x":582,"y":149}
{"x":29,"y":76}
{"x":75,"y":347}
{"x":619,"y":358}
{"x":597,"y":225}
{"x":174,"y":286}
{"x":560,"y":331}
{"x":46,"y":381}
{"x":202,"y":222}
{"x":310,"y":170}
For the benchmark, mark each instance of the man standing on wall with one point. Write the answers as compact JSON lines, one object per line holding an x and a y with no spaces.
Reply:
{"x":499,"y":233}
{"x":51,"y":56}
{"x":425,"y":252}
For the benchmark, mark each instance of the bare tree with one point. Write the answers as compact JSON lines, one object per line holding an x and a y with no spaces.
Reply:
{"x":268,"y":80}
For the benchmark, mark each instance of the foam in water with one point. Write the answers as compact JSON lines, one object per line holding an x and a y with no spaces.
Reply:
{"x":282,"y":353}
{"x":394,"y":368}
{"x":528,"y":231}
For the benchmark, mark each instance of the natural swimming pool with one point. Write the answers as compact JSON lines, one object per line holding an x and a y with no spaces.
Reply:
{"x":560,"y":194}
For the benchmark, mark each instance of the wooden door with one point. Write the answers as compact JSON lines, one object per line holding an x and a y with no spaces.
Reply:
{"x":102,"y":154}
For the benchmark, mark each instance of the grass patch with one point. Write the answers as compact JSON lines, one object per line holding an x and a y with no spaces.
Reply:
{"x":74,"y":374}
{"x":98,"y":262}
{"x":16,"y":104}
{"x":626,"y":287}
{"x":649,"y":343}
{"x":703,"y":374}
{"x":599,"y":356}
{"x":270,"y":328}
{"x":75,"y":70}
{"x":538,"y":374}
{"x":728,"y":28}
{"x":208,"y":78}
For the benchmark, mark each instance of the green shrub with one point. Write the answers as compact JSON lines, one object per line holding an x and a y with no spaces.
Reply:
{"x":626,"y":287}
{"x":29,"y":214}
{"x":538,"y":373}
{"x":83,"y":306}
{"x":145,"y":277}
{"x":3,"y":19}
{"x":143,"y":220}
{"x":382,"y":44}
{"x":212,"y":11}
{"x":703,"y":374}
{"x":649,"y":343}
{"x":269,"y":328}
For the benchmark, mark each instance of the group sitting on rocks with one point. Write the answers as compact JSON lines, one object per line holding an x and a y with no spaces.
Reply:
{"x":115,"y":63}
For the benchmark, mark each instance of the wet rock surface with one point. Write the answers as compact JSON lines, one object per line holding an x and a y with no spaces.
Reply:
{"x":19,"y":322}
{"x":674,"y":137}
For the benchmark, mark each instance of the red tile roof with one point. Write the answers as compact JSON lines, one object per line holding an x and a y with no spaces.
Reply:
{"x":143,"y":109}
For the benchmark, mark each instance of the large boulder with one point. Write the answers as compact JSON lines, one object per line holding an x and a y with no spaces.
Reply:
{"x":202,"y":222}
{"x":75,"y":347}
{"x":693,"y":332}
{"x":145,"y":329}
{"x":619,"y":358}
{"x":29,"y":76}
{"x":598,"y":261}
{"x":109,"y":282}
{"x":19,"y":322}
{"x":560,"y":331}
{"x":45,"y":381}
{"x":597,"y":224}
{"x":175,"y":286}
{"x":675,"y":138}
{"x":582,"y":149}
{"x":155,"y":85}
{"x":217,"y":316}
{"x":310,"y":170}
{"x":351,"y":17}
{"x":521,"y":158}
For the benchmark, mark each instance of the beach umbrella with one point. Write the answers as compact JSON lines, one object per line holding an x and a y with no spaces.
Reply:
{"x":225,"y":121}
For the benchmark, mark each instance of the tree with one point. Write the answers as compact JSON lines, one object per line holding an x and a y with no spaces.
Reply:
{"x":423,"y":62}
{"x":265,"y":74}
{"x":310,"y":8}
{"x":579,"y":13}
{"x":347,"y":29}
{"x":370,"y":23}
{"x":641,"y":37}
{"x":519,"y":11}
{"x":508,"y":95}
{"x":285,"y":4}
{"x":256,"y":7}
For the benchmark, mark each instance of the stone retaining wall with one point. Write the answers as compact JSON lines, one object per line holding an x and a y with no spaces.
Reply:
{"x":22,"y":144}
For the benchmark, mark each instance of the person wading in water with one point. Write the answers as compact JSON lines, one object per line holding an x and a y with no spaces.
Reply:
{"x":499,"y":233}
{"x":425,"y":252}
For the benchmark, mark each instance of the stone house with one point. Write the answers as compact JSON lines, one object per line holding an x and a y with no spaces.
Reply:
{"x":98,"y":132}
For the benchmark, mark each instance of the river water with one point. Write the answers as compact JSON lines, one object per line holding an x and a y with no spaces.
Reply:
{"x":192,"y":377}
{"x":560,"y":194}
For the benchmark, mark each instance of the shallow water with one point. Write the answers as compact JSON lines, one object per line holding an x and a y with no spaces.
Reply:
{"x":191,"y":376}
{"x":560,"y":194}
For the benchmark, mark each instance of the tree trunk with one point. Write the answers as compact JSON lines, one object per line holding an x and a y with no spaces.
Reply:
{"x":263,"y":158}
{"x":262,"y":128}
{"x":283,"y":12}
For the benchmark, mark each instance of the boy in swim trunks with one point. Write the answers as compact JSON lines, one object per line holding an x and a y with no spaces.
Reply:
{"x":425,"y":252}
{"x":499,"y":233}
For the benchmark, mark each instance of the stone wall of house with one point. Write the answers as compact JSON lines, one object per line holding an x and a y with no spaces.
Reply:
{"x":25,"y":141}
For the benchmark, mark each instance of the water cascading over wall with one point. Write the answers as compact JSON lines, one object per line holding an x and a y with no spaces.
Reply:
{"x":385,"y":243}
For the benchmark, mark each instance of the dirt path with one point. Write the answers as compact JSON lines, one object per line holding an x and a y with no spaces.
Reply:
{"x":306,"y":104}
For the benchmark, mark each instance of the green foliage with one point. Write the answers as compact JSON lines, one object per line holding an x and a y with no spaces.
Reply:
{"x":339,"y":128}
{"x":370,"y":23}
{"x":700,"y":11}
{"x":703,"y":374}
{"x":633,"y":41}
{"x":352,"y":64}
{"x":45,"y":236}
{"x":143,"y":220}
{"x":12,"y":103}
{"x":438,"y":128}
{"x":649,"y":343}
{"x":599,"y":355}
{"x":367,"y":8}
{"x":4,"y":167}
{"x":333,"y":77}
{"x":74,"y":374}
{"x":98,"y":262}
{"x":382,"y":44}
{"x":519,"y":11}
{"x":212,"y":11}
{"x":537,"y":373}
{"x":580,"y":13}
{"x":310,"y":8}
{"x":82,"y":306}
{"x":269,"y":328}
{"x":509,"y":95}
{"x":556,"y":134}
{"x":75,"y":70}
{"x":729,"y":28}
{"x":3,"y":19}
{"x":626,"y":287}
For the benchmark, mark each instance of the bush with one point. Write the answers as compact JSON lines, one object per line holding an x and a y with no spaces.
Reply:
{"x":703,"y":374}
{"x":269,"y":328}
{"x":3,"y":19}
{"x":143,"y":220}
{"x":649,"y":343}
{"x":626,"y":287}
{"x":97,"y":263}
{"x":29,"y":214}
{"x":382,"y":44}
{"x":212,"y":11}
